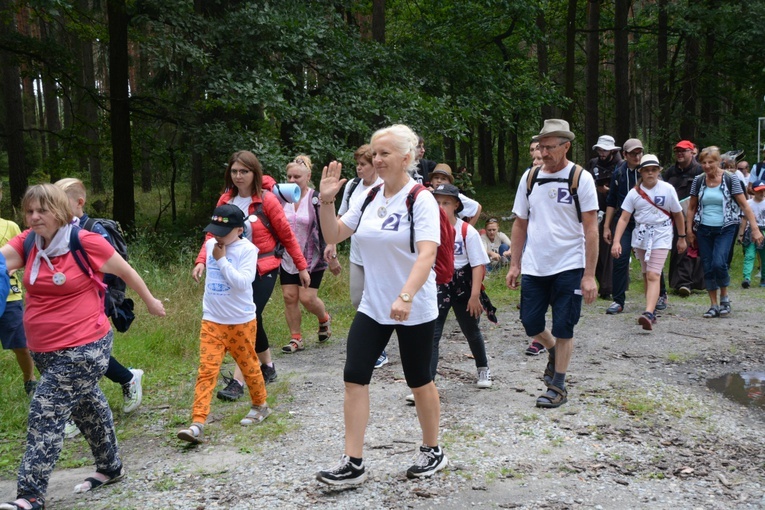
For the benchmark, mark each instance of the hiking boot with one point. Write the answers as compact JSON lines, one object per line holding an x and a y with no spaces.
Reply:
{"x":614,"y":308}
{"x":344,"y":473}
{"x":661,"y":303}
{"x":256,"y":415}
{"x":429,"y":461}
{"x":535,"y":349}
{"x":484,"y":377}
{"x":195,"y":434}
{"x":325,"y":329}
{"x":29,"y":387}
{"x":232,"y":391}
{"x":684,"y":291}
{"x":382,"y":360}
{"x":724,"y":308}
{"x":746,"y":284}
{"x":647,"y":320}
{"x":269,"y":373}
{"x":70,"y":429}
{"x":132,"y":392}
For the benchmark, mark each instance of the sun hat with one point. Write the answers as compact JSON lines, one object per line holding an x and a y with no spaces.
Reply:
{"x":443,"y":169}
{"x":649,"y":160}
{"x":607,"y":143}
{"x":556,"y":127}
{"x":450,"y":190}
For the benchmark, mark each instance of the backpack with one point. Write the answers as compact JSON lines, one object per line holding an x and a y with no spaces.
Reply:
{"x":112,"y":290}
{"x":444,"y":266}
{"x":573,"y":185}
{"x":354,"y":184}
{"x":278,"y":250}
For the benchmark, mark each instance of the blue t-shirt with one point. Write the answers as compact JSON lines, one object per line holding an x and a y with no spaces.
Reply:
{"x":712,"y":212}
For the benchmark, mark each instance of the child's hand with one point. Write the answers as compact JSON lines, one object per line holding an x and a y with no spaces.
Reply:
{"x":219,"y":251}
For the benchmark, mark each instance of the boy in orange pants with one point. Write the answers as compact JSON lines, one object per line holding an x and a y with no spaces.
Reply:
{"x":228,"y":319}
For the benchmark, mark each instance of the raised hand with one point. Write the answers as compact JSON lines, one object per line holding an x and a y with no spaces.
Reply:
{"x":331,"y":183}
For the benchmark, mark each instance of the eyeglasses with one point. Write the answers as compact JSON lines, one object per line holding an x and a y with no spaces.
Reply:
{"x":239,"y":172}
{"x":744,"y":167}
{"x":549,"y":148}
{"x":300,"y":161}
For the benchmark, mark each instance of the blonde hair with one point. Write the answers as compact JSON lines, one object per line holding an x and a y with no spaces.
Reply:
{"x":404,"y":140}
{"x":710,"y":152}
{"x":303,"y":160}
{"x":50,"y":197}
{"x":74,"y":188}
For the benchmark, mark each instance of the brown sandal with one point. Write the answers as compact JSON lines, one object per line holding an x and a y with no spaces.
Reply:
{"x":325,"y":329}
{"x":547,"y":402}
{"x":294,"y":346}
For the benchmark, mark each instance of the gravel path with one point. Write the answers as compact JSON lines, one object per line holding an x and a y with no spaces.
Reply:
{"x":640,"y":430}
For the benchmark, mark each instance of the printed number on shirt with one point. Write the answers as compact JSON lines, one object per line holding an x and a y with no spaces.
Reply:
{"x":564,"y":196}
{"x":660,"y":200}
{"x":392,"y":222}
{"x":459,"y":247}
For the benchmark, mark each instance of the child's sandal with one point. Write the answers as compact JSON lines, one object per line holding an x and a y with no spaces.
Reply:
{"x":23,"y":504}
{"x":294,"y":346}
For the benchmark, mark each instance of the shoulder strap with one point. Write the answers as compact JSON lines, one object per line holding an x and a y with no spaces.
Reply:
{"x":410,"y":198}
{"x":354,"y":184}
{"x":260,"y":212}
{"x":532,"y":179}
{"x":89,"y":223}
{"x":464,"y":231}
{"x":371,"y":194}
{"x":645,"y":197}
{"x":28,"y":243}
{"x":573,"y":187}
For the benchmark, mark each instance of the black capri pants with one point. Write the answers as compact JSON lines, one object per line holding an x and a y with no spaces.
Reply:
{"x":367,"y":339}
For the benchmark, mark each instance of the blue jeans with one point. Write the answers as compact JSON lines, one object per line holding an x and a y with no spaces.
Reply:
{"x":714,"y":245}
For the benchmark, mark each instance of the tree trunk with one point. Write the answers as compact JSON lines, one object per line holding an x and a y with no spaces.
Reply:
{"x":516,"y":154}
{"x":88,"y":109}
{"x":688,"y":121}
{"x":593,"y":74}
{"x":542,"y":61}
{"x":197,"y":176}
{"x":501,"y":156}
{"x":14,"y":111}
{"x":621,"y":71}
{"x":378,"y":21}
{"x":450,"y":152}
{"x":568,"y":114}
{"x":124,"y":201}
{"x":664,"y":143}
{"x":485,"y":156}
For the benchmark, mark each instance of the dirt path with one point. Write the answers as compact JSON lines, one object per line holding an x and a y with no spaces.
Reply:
{"x":641,"y":429}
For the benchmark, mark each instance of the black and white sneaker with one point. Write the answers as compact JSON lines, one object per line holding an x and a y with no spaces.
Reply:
{"x":345,"y":473}
{"x":429,"y":461}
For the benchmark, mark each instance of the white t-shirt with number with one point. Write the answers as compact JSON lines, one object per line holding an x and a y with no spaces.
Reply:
{"x":359,"y":194}
{"x":664,"y":195}
{"x":382,"y":237}
{"x":555,"y":237}
{"x":470,"y":251}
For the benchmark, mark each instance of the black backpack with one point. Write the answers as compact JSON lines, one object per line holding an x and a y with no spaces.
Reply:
{"x":573,"y":185}
{"x":354,"y":184}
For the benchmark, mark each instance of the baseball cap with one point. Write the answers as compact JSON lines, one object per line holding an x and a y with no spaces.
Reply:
{"x":632,"y":144}
{"x":449,"y":190}
{"x":758,"y":185}
{"x":684,"y":144}
{"x":224,"y":219}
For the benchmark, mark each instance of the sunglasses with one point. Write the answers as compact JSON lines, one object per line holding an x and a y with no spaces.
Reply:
{"x":300,"y":161}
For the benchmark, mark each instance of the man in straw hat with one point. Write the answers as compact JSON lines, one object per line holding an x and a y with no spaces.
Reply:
{"x":560,"y":253}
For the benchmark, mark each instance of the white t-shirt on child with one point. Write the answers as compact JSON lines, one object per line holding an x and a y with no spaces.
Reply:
{"x":383,"y":240}
{"x":758,"y":208}
{"x":468,"y":252}
{"x":228,"y":283}
{"x":664,"y":195}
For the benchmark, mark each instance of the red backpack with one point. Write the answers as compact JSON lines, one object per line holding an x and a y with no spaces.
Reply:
{"x":445,"y":253}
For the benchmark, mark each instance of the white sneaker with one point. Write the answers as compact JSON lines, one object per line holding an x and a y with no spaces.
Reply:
{"x":410,"y":398}
{"x":71,"y":430}
{"x":132,"y":391}
{"x":484,"y":377}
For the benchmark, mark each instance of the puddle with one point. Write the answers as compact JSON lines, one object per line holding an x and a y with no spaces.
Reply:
{"x":746,"y":388}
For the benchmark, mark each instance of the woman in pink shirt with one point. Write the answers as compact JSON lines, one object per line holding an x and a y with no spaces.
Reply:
{"x":70,"y":340}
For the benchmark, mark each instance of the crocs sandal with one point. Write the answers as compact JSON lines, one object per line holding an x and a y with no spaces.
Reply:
{"x":294,"y":346}
{"x":194,"y":434}
{"x":548,"y":402}
{"x":23,"y":504}
{"x":325,"y":329}
{"x":92,"y":483}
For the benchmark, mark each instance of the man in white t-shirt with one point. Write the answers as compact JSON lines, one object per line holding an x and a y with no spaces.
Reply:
{"x":559,"y":255}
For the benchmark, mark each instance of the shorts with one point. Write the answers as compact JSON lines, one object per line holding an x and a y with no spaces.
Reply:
{"x":286,"y":278}
{"x":655,"y":264}
{"x":562,"y":291}
{"x":12,"y":326}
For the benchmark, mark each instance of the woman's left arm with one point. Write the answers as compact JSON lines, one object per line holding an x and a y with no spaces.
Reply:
{"x":749,"y":215}
{"x":426,"y":257}
{"x":116,"y":265}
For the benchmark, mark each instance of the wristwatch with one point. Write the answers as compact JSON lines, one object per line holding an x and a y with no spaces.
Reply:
{"x":406,"y":298}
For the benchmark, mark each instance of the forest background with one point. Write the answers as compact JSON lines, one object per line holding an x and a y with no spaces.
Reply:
{"x":152,"y":96}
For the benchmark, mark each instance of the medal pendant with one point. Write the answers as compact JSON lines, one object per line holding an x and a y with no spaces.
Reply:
{"x":59,"y":278}
{"x":382,"y":212}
